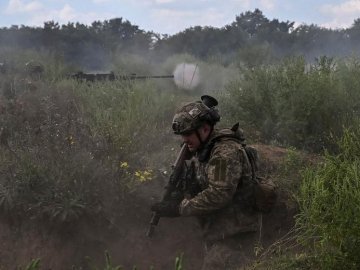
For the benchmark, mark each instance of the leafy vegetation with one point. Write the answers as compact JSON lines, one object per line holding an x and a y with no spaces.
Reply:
{"x":63,"y":143}
{"x":294,"y":103}
{"x":251,"y":37}
{"x":329,"y":201}
{"x":35,"y":264}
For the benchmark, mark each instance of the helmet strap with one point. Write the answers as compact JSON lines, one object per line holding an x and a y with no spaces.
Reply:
{"x":199,"y":137}
{"x":203,"y":142}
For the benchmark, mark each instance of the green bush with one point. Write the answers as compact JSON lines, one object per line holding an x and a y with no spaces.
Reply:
{"x":127,"y":114}
{"x":50,"y":166}
{"x":15,"y":61}
{"x":329,"y":200}
{"x":70,"y":149}
{"x":295,"y":103}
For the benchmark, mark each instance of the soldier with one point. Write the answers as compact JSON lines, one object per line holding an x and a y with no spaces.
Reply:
{"x":221,"y":191}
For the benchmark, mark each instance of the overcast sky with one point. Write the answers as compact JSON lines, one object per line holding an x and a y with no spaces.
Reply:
{"x":172,"y":16}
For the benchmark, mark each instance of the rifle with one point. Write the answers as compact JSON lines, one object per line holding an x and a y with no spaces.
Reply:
{"x":173,"y":184}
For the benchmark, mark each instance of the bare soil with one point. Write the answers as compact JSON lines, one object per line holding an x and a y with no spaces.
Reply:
{"x":124,"y":237}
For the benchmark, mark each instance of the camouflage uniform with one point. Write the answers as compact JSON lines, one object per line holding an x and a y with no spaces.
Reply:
{"x":223,"y":204}
{"x":220,"y":192}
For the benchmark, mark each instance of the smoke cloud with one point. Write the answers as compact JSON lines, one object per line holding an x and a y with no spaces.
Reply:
{"x":187,"y":76}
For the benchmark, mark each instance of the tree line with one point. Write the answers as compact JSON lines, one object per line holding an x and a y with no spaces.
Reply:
{"x":251,"y":37}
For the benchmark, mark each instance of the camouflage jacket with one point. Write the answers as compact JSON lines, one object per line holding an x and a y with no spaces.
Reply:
{"x":223,"y":203}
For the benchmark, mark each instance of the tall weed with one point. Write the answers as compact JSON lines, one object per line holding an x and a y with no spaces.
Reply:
{"x":330,"y":205}
{"x":127,"y":114}
{"x":66,"y":145}
{"x":294,"y":103}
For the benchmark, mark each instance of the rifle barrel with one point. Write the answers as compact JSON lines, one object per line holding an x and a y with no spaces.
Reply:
{"x":172,"y":184}
{"x":153,"y":222}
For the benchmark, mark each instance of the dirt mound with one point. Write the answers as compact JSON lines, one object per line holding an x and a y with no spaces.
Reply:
{"x":270,"y":157}
{"x":124,"y":235}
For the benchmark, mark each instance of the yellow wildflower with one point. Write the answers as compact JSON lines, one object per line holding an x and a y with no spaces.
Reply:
{"x":147,"y":173}
{"x":143,"y":175}
{"x":124,"y":164}
{"x":71,"y":140}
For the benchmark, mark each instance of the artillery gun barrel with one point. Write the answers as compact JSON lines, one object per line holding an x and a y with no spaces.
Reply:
{"x":91,"y":77}
{"x":147,"y":77}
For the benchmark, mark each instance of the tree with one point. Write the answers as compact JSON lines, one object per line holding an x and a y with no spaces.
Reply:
{"x":250,"y":22}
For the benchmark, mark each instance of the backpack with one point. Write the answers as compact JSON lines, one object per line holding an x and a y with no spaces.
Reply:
{"x":264,"y":189}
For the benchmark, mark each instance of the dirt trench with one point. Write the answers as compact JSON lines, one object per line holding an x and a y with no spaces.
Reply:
{"x":124,"y":237}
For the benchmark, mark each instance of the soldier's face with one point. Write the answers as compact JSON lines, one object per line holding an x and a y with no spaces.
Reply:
{"x":192,"y":140}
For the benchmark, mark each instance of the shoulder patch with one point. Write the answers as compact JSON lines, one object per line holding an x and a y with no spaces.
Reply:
{"x":219,"y":169}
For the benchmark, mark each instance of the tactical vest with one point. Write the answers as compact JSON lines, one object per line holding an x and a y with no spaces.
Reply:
{"x":256,"y":192}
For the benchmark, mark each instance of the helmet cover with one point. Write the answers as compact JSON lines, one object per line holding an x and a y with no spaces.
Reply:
{"x":190,"y":117}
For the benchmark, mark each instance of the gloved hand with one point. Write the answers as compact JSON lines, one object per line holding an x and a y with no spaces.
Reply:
{"x":169,"y":208}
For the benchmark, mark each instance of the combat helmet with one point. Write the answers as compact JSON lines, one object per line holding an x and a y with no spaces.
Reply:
{"x":192,"y":115}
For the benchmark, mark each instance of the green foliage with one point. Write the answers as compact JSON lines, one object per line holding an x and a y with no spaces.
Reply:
{"x":292,"y":161}
{"x":62,"y":143}
{"x":128,"y":115}
{"x":294,"y":103}
{"x":285,"y":262}
{"x":329,"y":200}
{"x":108,"y":264}
{"x":76,"y":41}
{"x":179,"y":262}
{"x":104,"y":39}
{"x":254,"y":55}
{"x":290,"y":170}
{"x":49,"y":168}
{"x":15,"y":61}
{"x":33,"y":265}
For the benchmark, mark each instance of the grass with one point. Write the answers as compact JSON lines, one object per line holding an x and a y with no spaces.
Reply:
{"x":35,"y":264}
{"x":292,"y":103}
{"x":60,"y":140}
{"x":71,"y":150}
{"x":329,"y":201}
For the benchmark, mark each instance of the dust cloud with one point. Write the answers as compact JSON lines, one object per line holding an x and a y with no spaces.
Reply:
{"x":187,"y":76}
